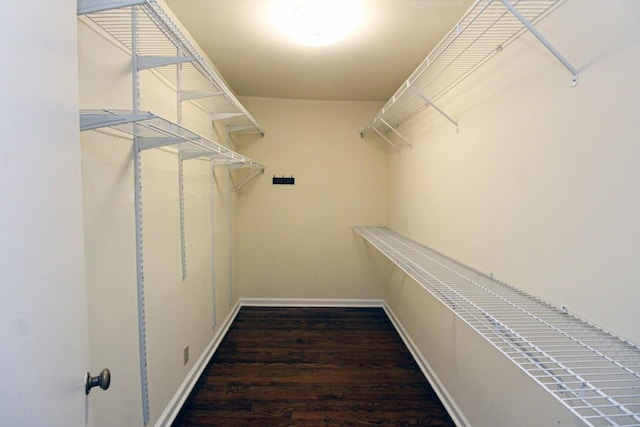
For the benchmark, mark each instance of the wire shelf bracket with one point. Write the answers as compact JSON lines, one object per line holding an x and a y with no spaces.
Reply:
{"x":391,"y":128}
{"x":485,"y":29}
{"x":593,"y":373}
{"x":236,"y":129}
{"x":381,"y":135}
{"x":148,"y":62}
{"x":247,"y":177}
{"x":435,"y":107}
{"x":236,"y":183}
{"x":150,"y":142}
{"x":186,"y":95}
{"x":543,"y":40}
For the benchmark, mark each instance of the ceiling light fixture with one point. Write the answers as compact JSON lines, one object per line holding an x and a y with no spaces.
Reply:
{"x":317,"y":22}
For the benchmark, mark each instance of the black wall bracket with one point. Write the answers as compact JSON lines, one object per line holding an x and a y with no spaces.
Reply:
{"x":282,"y":180}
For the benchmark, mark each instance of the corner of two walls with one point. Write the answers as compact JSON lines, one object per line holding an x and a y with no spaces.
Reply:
{"x":539,"y":187}
{"x":178,"y":312}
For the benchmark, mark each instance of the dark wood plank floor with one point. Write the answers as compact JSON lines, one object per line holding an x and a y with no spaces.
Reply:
{"x":312,"y":367}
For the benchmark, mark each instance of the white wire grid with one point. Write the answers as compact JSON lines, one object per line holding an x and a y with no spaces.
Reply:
{"x":486,"y":28}
{"x":592,"y":372}
{"x":155,"y":132}
{"x":158,"y":40}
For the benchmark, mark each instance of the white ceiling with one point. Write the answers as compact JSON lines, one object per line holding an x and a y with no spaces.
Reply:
{"x":370,"y":65}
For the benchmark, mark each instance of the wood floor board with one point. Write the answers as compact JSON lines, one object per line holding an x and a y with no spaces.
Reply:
{"x":290,"y":366}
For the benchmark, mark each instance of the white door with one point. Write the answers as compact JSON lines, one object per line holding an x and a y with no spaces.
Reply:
{"x":43,"y":306}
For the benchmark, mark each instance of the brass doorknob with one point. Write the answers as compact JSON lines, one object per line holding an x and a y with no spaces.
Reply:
{"x":103,"y":381}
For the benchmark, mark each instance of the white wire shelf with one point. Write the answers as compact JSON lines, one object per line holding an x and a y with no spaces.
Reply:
{"x":155,"y":132}
{"x":593,"y":373}
{"x":145,"y":28}
{"x":486,"y":28}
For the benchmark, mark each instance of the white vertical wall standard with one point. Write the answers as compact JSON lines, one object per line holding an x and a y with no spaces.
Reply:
{"x":221,"y":228}
{"x":212,"y":223}
{"x":230,"y":224}
{"x":43,"y":308}
{"x":212,"y":220}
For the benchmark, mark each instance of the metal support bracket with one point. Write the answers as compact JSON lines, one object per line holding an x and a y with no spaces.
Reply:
{"x":225,"y":115}
{"x":148,"y":142}
{"x":395,"y":147}
{"x":244,"y":129}
{"x":185,"y":95}
{"x":542,"y":40}
{"x":431,"y":104}
{"x":396,"y":132}
{"x":188,"y":155}
{"x":147,"y":62}
{"x":246,"y":178}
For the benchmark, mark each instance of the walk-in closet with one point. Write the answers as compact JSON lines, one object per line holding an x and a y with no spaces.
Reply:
{"x":455,"y":179}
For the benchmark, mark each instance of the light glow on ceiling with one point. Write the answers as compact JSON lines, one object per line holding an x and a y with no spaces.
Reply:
{"x":317,"y":22}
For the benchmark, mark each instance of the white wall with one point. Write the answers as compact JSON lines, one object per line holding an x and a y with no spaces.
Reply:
{"x":539,"y":187}
{"x":296,"y":241}
{"x":43,"y":312}
{"x":178,"y":312}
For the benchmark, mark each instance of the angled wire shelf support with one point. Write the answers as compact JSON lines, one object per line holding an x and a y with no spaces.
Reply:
{"x":155,"y":132}
{"x":595,"y":374}
{"x":486,"y":28}
{"x":160,"y":44}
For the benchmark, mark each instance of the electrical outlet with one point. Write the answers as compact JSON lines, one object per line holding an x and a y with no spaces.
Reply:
{"x":185,"y":354}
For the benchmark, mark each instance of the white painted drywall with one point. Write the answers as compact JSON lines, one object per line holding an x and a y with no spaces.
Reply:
{"x":296,"y":241}
{"x":43,"y":311}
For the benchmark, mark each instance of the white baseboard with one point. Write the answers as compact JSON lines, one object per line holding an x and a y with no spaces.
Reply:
{"x":450,"y":405}
{"x":173,"y":408}
{"x":309,"y":302}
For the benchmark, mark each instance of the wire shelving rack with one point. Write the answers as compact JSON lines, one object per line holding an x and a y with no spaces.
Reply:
{"x":154,"y":132}
{"x":150,"y":34}
{"x":157,"y":42}
{"x":595,"y":374}
{"x":487,"y":28}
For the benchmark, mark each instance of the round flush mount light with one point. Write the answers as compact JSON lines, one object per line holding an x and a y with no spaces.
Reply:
{"x":317,"y":22}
